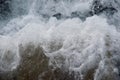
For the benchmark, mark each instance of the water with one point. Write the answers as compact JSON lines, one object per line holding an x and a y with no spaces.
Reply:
{"x":47,"y":39}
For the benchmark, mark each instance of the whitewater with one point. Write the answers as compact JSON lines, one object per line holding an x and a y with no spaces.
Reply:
{"x":60,"y":40}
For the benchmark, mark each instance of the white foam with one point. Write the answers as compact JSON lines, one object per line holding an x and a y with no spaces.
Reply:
{"x":70,"y":43}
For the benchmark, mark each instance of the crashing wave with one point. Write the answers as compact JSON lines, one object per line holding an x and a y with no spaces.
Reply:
{"x":61,"y":40}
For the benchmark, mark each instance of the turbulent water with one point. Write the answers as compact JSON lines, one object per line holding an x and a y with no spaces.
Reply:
{"x":60,"y":40}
